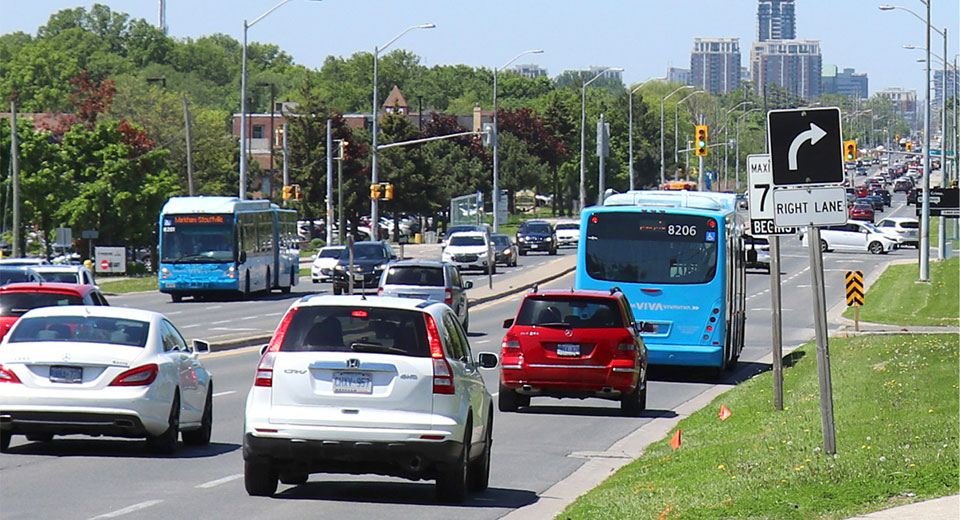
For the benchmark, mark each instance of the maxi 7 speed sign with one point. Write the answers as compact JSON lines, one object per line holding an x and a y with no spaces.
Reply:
{"x":805,"y":146}
{"x":760,"y":197}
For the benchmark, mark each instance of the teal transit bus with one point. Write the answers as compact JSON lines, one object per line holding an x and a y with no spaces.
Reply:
{"x":224,"y":245}
{"x":678,"y":256}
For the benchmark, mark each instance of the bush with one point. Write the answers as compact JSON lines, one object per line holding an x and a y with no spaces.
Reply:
{"x":136,"y":269}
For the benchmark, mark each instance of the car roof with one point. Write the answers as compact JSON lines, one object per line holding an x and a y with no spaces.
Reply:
{"x":58,"y":268}
{"x":468,"y":234}
{"x":332,"y":247}
{"x":571,"y":293}
{"x":23,"y":261}
{"x":419,"y":263}
{"x":78,"y":289}
{"x":900,"y":219}
{"x":383,"y":302}
{"x":103,"y":311}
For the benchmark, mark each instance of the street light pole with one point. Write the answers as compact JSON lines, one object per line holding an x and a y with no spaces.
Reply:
{"x":662,"y":100}
{"x":737,"y":169}
{"x":374,"y":207}
{"x":583,"y":125}
{"x":676,"y":130}
{"x":495,"y":139}
{"x":630,"y":102}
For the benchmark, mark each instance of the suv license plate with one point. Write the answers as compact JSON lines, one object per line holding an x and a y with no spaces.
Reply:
{"x":62,"y":374}
{"x":352,"y":383}
{"x":568,"y":349}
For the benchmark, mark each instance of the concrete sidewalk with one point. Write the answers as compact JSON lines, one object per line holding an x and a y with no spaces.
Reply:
{"x":943,"y":508}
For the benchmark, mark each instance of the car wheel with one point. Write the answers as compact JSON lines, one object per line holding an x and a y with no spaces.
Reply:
{"x":337,"y":290}
{"x":5,"y":441}
{"x":553,"y":251}
{"x":875,"y":248}
{"x":452,"y":480}
{"x":634,"y":403}
{"x":514,"y":264}
{"x":176,"y":298}
{"x":259,"y":477}
{"x":166,"y":442}
{"x":294,"y":478}
{"x":201,"y":436}
{"x":480,"y":468}
{"x":823,"y":246}
{"x":509,"y":400}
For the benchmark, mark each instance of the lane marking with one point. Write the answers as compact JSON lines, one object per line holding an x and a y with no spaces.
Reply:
{"x":132,"y":509}
{"x":219,"y":322}
{"x":189,"y":326}
{"x":274,"y":314}
{"x":228,"y":392}
{"x":214,"y":307}
{"x":224,"y":480}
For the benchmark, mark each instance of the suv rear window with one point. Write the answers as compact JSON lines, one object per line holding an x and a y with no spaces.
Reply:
{"x":584,"y":313}
{"x":466,"y":240}
{"x":357,"y":329}
{"x":16,"y":304}
{"x":415,"y":275}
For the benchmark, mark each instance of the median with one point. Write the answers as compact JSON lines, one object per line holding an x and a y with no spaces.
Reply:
{"x":897,"y":434}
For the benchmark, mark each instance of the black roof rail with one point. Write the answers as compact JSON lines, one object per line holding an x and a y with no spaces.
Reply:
{"x":615,"y":289}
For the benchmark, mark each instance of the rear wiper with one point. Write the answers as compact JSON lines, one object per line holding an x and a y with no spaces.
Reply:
{"x":553,"y":324}
{"x":358,"y":346}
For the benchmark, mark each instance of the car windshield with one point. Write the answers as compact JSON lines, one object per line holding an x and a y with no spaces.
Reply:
{"x":584,"y":313}
{"x":17,"y":303}
{"x":466,"y":240}
{"x":330,"y":252}
{"x":195,"y":240}
{"x":115,"y":331}
{"x":535,"y":228}
{"x":415,"y":275}
{"x":364,"y":252}
{"x":872,"y":228}
{"x":567,"y":226}
{"x":357,"y":329}
{"x":61,"y":277}
{"x":501,"y":240}
{"x":457,"y":229}
{"x":652,"y":248}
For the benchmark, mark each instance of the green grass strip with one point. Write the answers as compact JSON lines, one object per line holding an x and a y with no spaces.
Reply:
{"x":897,"y":299}
{"x":144,"y":283}
{"x":897,"y":434}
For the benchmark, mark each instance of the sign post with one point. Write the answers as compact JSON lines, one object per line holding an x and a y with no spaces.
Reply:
{"x":806,"y":151}
{"x":855,"y":295}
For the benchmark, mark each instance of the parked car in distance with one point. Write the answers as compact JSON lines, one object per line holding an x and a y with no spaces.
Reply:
{"x":861,"y":211}
{"x":852,"y":236}
{"x":573,"y":344}
{"x":504,"y":248}
{"x":21,"y":261}
{"x":16,"y":273}
{"x":428,"y":280}
{"x":469,"y":250}
{"x":387,"y":386}
{"x":536,"y":235}
{"x":757,"y":251}
{"x":18,"y":298}
{"x":907,"y":227}
{"x":370,"y":258}
{"x":111,"y":371}
{"x":77,"y":274}
{"x":568,"y":233}
{"x":324,"y":262}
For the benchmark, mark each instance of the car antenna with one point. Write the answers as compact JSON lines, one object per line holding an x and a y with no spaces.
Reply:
{"x":533,"y":288}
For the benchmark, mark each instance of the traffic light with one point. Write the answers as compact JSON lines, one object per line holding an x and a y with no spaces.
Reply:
{"x":296,"y":192}
{"x":701,"y":131}
{"x":387,"y":191}
{"x":374,"y":191}
{"x":849,"y":150}
{"x":287,"y":192}
{"x":909,"y":146}
{"x":278,"y":137}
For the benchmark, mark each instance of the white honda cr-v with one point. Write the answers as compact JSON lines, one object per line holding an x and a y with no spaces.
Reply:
{"x":359,"y":385}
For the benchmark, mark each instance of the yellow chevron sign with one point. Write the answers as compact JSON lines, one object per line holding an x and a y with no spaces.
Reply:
{"x":854,"y":288}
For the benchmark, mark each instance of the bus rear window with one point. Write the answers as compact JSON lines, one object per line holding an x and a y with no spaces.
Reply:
{"x":651,"y":248}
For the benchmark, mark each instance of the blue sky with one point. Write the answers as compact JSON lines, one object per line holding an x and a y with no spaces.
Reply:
{"x":642,"y":36}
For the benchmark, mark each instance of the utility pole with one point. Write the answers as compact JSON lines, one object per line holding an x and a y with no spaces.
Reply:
{"x":15,"y":156}
{"x":186,"y":123}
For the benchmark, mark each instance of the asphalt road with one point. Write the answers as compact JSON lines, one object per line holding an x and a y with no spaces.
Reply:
{"x":87,"y":478}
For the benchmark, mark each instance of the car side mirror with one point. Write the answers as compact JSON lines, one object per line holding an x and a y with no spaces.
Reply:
{"x":263,"y":349}
{"x":645,"y":326}
{"x":487,"y":360}
{"x":468,"y":284}
{"x":242,"y":257}
{"x":508,"y":323}
{"x":201,"y":346}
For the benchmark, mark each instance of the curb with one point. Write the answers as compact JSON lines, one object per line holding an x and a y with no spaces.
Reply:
{"x":522,"y":288}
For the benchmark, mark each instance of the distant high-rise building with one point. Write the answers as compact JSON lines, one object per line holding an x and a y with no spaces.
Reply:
{"x":776,"y":20}
{"x":531,"y":71}
{"x":952,"y":77}
{"x":904,"y":103}
{"x":715,"y":64}
{"x":845,"y":83}
{"x":609,"y":74}
{"x":792,"y":64}
{"x":678,"y":75}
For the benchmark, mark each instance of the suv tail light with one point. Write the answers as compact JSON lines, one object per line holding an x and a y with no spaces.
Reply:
{"x":140,"y":376}
{"x":442,"y":374}
{"x":379,"y":291}
{"x":7,"y":376}
{"x":448,"y":297}
{"x":510,"y":354}
{"x":264,"y":375}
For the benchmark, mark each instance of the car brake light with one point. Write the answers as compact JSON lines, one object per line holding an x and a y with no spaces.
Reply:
{"x":379,"y":291}
{"x":7,"y":376}
{"x":264,"y":375}
{"x":442,"y":375}
{"x":448,"y":296}
{"x":281,"y":331}
{"x":626,"y":349}
{"x":140,"y":376}
{"x":510,"y":342}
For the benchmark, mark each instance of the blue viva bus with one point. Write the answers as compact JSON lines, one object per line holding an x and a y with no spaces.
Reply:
{"x":678,"y":257}
{"x":222,"y":245}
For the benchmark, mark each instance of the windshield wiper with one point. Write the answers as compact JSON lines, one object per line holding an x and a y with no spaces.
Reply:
{"x":358,"y":346}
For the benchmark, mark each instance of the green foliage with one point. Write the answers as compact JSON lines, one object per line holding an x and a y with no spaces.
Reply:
{"x":936,"y":303}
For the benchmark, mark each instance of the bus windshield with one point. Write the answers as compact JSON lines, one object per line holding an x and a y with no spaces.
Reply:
{"x":193,"y":240}
{"x":656,"y":248}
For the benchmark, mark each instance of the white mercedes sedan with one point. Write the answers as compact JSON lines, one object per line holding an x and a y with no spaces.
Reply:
{"x":109,"y":371}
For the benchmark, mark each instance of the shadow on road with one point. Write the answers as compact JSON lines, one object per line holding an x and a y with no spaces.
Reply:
{"x":709,"y":375}
{"x":413,"y":493}
{"x":118,"y":448}
{"x":228,"y":297}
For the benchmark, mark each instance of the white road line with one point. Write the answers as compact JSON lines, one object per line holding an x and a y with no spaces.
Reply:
{"x":219,"y":322}
{"x":224,"y":480}
{"x":273,"y":314}
{"x":236,"y":329}
{"x":214,"y":307}
{"x":481,"y":342}
{"x":174,"y":313}
{"x":189,"y":326}
{"x":249,"y":318}
{"x":228,"y":392}
{"x":132,"y":509}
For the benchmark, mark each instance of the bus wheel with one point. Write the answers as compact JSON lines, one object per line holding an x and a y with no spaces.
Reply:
{"x":246,"y":289}
{"x":176,"y":298}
